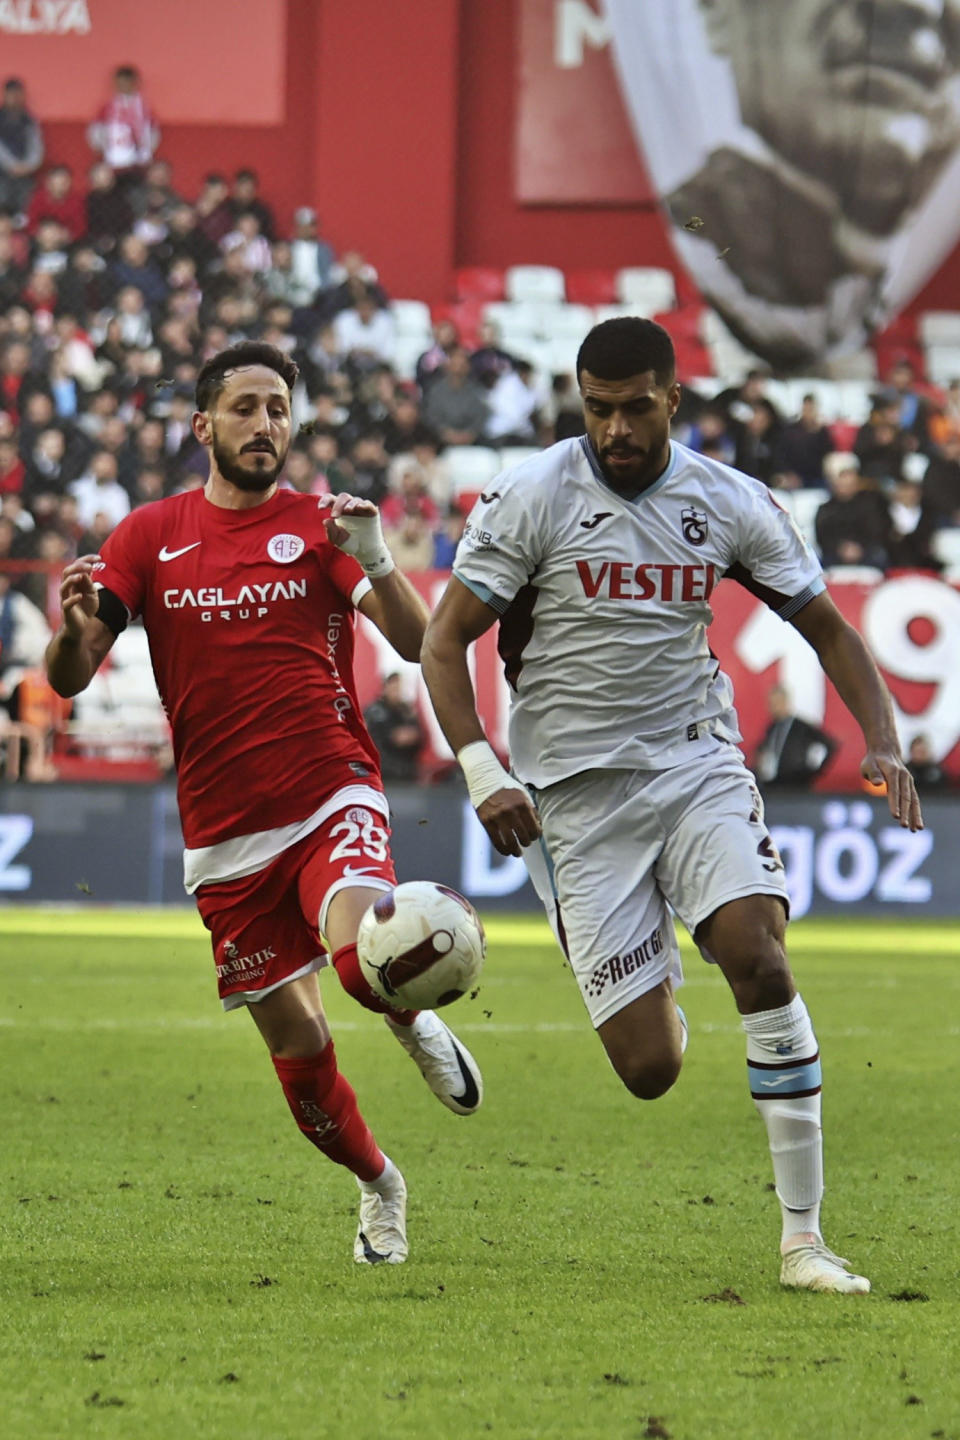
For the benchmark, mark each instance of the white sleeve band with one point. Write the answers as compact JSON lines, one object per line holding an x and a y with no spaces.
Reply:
{"x":483,"y":772}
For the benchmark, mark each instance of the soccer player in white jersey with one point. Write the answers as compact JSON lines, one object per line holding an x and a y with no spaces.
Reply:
{"x":628,"y":792}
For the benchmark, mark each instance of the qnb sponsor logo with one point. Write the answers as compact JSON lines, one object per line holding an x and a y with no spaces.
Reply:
{"x":619,"y":580}
{"x":612,"y":972}
{"x":244,"y":967}
{"x":250,"y":601}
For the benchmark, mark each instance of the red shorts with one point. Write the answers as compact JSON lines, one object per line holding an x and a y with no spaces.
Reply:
{"x":265,"y":927}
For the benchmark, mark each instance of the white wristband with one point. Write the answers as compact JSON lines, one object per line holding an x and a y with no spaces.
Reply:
{"x":366,"y":543}
{"x":483,"y":772}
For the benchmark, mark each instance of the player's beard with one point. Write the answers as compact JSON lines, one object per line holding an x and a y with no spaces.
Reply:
{"x":230,"y":468}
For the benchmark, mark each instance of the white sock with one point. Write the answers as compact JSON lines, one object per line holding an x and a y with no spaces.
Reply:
{"x":384,"y":1180}
{"x":783,"y":1064}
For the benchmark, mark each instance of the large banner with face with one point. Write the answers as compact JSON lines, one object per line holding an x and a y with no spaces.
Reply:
{"x":806,"y":152}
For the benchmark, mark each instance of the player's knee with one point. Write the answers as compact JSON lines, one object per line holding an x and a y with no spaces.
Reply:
{"x":762,"y":980}
{"x":650,"y":1077}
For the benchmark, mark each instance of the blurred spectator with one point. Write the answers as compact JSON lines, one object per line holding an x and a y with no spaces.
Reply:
{"x":411,"y":543}
{"x":365,"y":333}
{"x":456,"y":405}
{"x":433,"y":362}
{"x":512,"y":405}
{"x":755,"y":452}
{"x":927,"y":774}
{"x":396,"y":730}
{"x":364,"y":473}
{"x":941,"y":483}
{"x":21,"y":148}
{"x":82,"y":286}
{"x":12,"y":468}
{"x":447,"y":537}
{"x":24,"y":635}
{"x":253,"y":246}
{"x":738,"y":402}
{"x":945,"y":421}
{"x":213,"y":211}
{"x":408,"y":495}
{"x":56,"y":199}
{"x":133,"y":266}
{"x":98,"y":492}
{"x":880,"y":444}
{"x":350,"y":277}
{"x":913,"y":409}
{"x":108,"y":209}
{"x":710,"y":435}
{"x":311,"y":259}
{"x":245,"y":199}
{"x":489,"y":359}
{"x":125,"y":133}
{"x":404,"y":427}
{"x":801,"y":448}
{"x":913,"y":523}
{"x":792,"y":752}
{"x":852,"y":527}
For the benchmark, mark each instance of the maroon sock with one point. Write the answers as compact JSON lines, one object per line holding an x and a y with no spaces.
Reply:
{"x":347,"y":966}
{"x":325,"y":1108}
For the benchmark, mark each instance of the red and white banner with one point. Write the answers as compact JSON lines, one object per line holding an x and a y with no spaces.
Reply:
{"x":202,"y":62}
{"x":911,"y":624}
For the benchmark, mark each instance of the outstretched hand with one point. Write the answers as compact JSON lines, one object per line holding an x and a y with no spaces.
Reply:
{"x":880,"y":768}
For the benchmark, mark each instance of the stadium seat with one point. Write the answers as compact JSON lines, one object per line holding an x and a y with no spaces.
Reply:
{"x":650,"y":290}
{"x":411,"y":317}
{"x":945,"y":545}
{"x":943,"y":363}
{"x":591,"y":287}
{"x":803,"y":506}
{"x":479,"y":282}
{"x":940,"y":328}
{"x":471,"y":467}
{"x":568,"y":321}
{"x":561,"y":358}
{"x":535,"y":282}
{"x":515,"y":454}
{"x":613,"y":312}
{"x":407,"y":350}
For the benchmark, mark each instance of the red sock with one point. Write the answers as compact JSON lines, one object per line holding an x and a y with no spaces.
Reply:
{"x":325,"y":1107}
{"x":347,"y":966}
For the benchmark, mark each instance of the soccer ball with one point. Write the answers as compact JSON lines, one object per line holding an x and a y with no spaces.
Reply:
{"x":421,"y":946}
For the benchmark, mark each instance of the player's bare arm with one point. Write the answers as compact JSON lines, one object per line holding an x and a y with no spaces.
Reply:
{"x":503,"y":807}
{"x":83,"y":640}
{"x":849,"y":664}
{"x":394,"y":606}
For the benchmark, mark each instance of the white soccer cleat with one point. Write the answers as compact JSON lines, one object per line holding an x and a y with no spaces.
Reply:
{"x":812,"y":1266}
{"x":447,"y":1066}
{"x":382,"y":1232}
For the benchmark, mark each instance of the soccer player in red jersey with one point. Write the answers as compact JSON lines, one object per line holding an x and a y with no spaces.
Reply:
{"x":248,"y":595}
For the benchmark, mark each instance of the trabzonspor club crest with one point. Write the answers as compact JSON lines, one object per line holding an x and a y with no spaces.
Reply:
{"x":693,"y":523}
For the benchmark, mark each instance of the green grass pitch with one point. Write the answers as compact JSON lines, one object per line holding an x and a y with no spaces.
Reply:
{"x":177,"y":1260}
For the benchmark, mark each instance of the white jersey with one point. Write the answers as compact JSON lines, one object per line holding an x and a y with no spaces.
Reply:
{"x":604,"y":603}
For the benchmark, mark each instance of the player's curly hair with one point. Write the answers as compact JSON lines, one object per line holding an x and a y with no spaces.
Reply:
{"x":213,"y":375}
{"x":628,"y":345}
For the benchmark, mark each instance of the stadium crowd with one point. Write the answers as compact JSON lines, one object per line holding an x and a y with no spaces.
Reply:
{"x":116,"y":287}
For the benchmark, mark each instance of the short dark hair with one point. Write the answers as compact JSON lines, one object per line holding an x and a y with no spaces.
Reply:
{"x":628,"y":345}
{"x":126,"y":72}
{"x":213,"y":375}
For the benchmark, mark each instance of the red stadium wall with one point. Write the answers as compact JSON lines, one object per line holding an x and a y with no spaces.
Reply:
{"x":399,"y":130}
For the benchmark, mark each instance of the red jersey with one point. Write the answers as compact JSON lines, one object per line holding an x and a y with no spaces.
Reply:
{"x":250,"y":616}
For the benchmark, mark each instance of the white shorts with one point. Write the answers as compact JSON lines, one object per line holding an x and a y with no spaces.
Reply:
{"x":620,"y":848}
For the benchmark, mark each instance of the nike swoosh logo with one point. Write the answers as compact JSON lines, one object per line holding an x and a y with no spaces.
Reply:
{"x":470,"y":1098}
{"x":166,"y":554}
{"x":373,"y":1257}
{"x":489,"y":499}
{"x":781,"y":1080}
{"x":592,"y":524}
{"x":349,"y":870}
